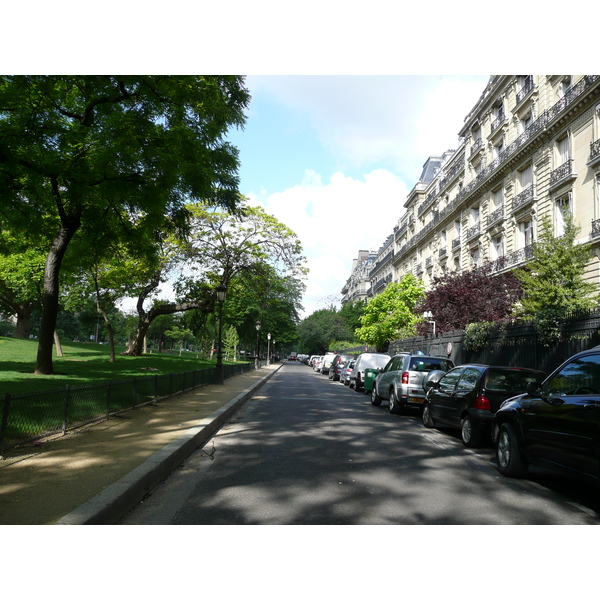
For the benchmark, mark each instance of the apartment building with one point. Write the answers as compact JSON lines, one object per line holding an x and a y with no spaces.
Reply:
{"x":357,"y":286}
{"x":530,"y":147}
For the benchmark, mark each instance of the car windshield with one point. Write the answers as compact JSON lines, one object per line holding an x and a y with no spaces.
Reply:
{"x":427,"y":363}
{"x":510,"y":381}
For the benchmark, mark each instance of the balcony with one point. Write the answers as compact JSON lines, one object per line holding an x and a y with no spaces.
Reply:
{"x":495,"y":217}
{"x":563,"y":174}
{"x":523,"y":199}
{"x":456,"y":244}
{"x":476,"y":147}
{"x":527,"y":87}
{"x":596,"y":228}
{"x":473,"y":231}
{"x":594,"y":159}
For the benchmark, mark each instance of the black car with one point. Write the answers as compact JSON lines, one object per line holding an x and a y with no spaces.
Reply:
{"x":555,"y":424}
{"x":467,"y":397}
{"x":337,"y":365}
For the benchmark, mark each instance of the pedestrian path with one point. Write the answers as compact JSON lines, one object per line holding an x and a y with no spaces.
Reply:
{"x":98,"y":473}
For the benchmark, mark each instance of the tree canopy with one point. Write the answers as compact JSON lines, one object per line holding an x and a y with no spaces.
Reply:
{"x":78,"y":152}
{"x":555,"y":279}
{"x":457,"y":299}
{"x":390,"y":315}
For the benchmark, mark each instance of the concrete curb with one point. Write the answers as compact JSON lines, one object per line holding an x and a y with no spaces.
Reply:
{"x":116,"y":500}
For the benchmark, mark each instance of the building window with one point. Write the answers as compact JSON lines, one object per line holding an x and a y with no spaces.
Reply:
{"x":497,"y":247}
{"x":526,"y":177}
{"x":525,"y":121}
{"x":562,"y":210}
{"x":497,"y":149}
{"x":563,"y":151}
{"x":525,"y":233}
{"x":475,"y":257}
{"x":474,"y":216}
{"x":497,"y":197}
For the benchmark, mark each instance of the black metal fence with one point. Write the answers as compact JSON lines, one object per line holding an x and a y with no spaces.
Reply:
{"x":516,"y":344}
{"x":30,"y":416}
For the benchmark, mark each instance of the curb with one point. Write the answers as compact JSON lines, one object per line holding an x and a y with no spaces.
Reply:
{"x":116,"y":500}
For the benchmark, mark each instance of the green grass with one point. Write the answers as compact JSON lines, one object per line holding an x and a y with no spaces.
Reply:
{"x":81,"y":364}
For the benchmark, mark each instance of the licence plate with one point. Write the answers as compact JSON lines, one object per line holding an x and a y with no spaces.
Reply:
{"x":418,"y":400}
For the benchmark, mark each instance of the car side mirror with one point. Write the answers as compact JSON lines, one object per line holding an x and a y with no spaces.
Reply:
{"x":534,"y":389}
{"x":432,"y":383}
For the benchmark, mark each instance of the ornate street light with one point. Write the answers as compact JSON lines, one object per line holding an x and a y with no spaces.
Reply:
{"x":258,"y":325}
{"x":221,"y":294}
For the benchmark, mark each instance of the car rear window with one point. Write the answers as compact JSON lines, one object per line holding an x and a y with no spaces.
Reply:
{"x":426,"y":364}
{"x":510,"y":381}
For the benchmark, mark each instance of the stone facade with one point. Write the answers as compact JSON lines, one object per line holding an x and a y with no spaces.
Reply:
{"x":530,"y":147}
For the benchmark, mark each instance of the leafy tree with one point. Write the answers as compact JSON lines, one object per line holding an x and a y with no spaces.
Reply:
{"x":457,"y":299}
{"x":390,"y":315}
{"x":554,"y":279}
{"x":352,"y":312}
{"x":21,"y":279}
{"x":319,"y":330}
{"x":76,"y":149}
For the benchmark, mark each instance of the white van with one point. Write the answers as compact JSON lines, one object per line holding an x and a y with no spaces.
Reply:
{"x":367,"y":360}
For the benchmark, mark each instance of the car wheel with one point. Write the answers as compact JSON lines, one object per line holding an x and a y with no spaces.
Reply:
{"x":375,"y":397}
{"x":427,"y":418}
{"x":510,"y":461}
{"x":471,"y":438}
{"x":395,"y":407}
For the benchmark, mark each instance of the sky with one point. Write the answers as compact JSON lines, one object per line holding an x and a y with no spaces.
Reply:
{"x":334,"y":157}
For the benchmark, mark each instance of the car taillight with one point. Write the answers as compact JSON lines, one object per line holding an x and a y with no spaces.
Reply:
{"x":405,"y":378}
{"x":482,"y":402}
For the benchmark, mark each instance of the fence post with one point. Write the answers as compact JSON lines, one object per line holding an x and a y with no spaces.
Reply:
{"x":5,"y":408}
{"x":66,"y":413}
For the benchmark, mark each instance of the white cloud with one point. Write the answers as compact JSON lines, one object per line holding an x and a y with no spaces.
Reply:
{"x":334,"y":220}
{"x":398,"y":121}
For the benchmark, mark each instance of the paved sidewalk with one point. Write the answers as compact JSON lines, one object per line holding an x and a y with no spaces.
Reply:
{"x":98,"y":473}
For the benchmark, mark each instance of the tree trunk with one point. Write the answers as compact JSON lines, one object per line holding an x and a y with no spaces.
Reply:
{"x":111,"y":334}
{"x":54,"y":259}
{"x":137,"y":343}
{"x":57,"y":343}
{"x":23,"y":327}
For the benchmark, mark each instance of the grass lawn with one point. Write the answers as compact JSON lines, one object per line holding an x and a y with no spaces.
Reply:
{"x":83,"y":363}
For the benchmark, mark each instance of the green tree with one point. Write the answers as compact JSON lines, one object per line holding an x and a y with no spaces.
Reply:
{"x":554,"y":282}
{"x":390,"y":315}
{"x":554,"y":279}
{"x":76,"y":149}
{"x":321,"y":329}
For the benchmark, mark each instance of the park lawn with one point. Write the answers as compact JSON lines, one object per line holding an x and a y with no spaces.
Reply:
{"x":83,"y":363}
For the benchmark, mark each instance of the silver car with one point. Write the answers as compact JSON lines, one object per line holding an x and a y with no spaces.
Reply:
{"x":402,"y":380}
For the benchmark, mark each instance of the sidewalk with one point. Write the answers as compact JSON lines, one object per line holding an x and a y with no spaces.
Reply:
{"x":99,"y":473}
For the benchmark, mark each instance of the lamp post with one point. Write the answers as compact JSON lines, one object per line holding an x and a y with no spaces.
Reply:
{"x":258,"y":324}
{"x":221,"y":293}
{"x":268,"y":349}
{"x":429,"y":315}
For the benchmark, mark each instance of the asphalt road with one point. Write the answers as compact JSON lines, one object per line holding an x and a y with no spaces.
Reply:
{"x":306,"y":450}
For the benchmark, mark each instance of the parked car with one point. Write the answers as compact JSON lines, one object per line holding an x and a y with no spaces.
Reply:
{"x":338,"y":363}
{"x":346,"y":372}
{"x":326,"y":364}
{"x":555,"y":424}
{"x":367,"y":360}
{"x":468,"y":396}
{"x":318,"y":362}
{"x":401,"y":381}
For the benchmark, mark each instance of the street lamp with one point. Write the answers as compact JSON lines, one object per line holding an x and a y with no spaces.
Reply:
{"x":258,"y":325}
{"x":429,"y":315}
{"x":268,"y":349}
{"x":221,"y":293}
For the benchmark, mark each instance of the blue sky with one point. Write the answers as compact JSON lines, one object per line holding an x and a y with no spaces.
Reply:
{"x":334,"y":157}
